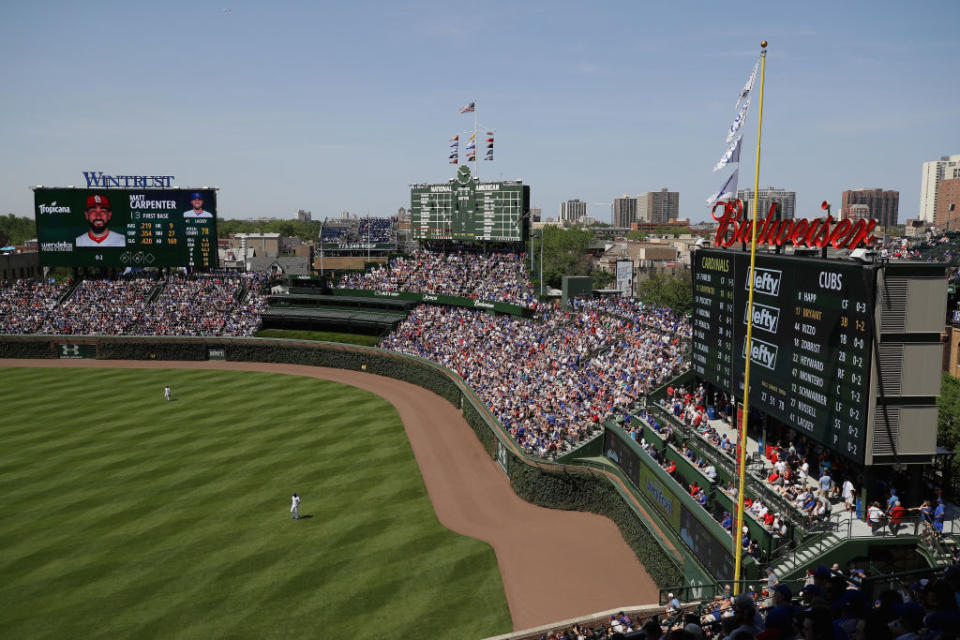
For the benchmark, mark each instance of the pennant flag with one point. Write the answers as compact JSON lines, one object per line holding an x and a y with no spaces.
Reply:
{"x":454,"y":161}
{"x":732,"y":154}
{"x":470,"y":108}
{"x":490,"y":146}
{"x":455,"y":138}
{"x":738,"y":121}
{"x":728,"y":190}
{"x":471,"y":147}
{"x":454,"y":155}
{"x":748,"y":87}
{"x":470,"y":139}
{"x":489,"y":140}
{"x":454,"y":145}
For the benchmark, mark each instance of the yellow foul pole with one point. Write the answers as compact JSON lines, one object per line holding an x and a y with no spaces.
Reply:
{"x":742,"y":435}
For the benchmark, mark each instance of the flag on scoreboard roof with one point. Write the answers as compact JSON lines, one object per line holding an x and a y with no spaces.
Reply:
{"x":489,"y":155}
{"x":455,"y":138}
{"x":728,"y":190}
{"x":471,"y":147}
{"x":732,"y":154}
{"x":470,"y":108}
{"x":470,"y":139}
{"x":454,"y":161}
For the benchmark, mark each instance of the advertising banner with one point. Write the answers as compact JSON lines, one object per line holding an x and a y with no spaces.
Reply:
{"x":126,"y":227}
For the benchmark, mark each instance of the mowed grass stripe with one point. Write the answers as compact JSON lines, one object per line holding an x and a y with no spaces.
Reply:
{"x":126,"y":515}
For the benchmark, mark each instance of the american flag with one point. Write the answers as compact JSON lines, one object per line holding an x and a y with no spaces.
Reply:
{"x":470,"y":108}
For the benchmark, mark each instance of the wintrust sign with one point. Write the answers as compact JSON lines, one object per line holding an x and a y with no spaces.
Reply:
{"x":735,"y":227}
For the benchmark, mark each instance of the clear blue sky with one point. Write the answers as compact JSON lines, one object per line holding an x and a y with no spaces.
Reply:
{"x":332,"y":107}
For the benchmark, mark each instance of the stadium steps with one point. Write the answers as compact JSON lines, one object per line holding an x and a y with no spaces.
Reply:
{"x":69,"y":291}
{"x":806,"y":554}
{"x":155,"y":292}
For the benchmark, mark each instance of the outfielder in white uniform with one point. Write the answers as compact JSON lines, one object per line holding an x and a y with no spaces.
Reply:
{"x":167,"y":393}
{"x":295,"y":506}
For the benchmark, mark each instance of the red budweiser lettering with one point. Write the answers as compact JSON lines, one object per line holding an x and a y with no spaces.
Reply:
{"x":735,"y":227}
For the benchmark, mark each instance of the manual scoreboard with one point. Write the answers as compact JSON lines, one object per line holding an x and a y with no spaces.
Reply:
{"x":813,"y":334}
{"x":467,"y":210}
{"x":126,"y":227}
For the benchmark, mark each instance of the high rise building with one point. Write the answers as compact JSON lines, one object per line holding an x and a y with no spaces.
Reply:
{"x":948,"y":204}
{"x":535,"y":214}
{"x":624,"y":211}
{"x":787,"y":200}
{"x":856,"y":212}
{"x":884,"y":205}
{"x":946,"y":168}
{"x":572,"y":210}
{"x":659,"y":207}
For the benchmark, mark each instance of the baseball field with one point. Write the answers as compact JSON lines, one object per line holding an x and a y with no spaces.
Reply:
{"x":125,"y":515}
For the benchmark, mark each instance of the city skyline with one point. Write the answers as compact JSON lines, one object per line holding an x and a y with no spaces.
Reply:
{"x":342,"y":107}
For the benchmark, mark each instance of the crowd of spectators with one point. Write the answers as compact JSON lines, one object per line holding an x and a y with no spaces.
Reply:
{"x":830,"y":604}
{"x":375,"y":230}
{"x":552,"y":380}
{"x":335,"y":233}
{"x":809,"y":489}
{"x":498,"y":277}
{"x":182,"y":306}
{"x":24,"y":304}
{"x":372,"y":230}
{"x":106,"y":307}
{"x":206,"y":306}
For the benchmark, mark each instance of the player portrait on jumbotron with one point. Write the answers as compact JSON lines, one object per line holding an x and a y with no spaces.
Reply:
{"x":98,"y":214}
{"x":196,"y":201}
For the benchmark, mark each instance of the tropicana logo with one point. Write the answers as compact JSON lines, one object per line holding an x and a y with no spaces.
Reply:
{"x":53,"y":208}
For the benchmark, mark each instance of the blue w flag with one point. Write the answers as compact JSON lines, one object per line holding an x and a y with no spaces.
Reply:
{"x":728,"y":190}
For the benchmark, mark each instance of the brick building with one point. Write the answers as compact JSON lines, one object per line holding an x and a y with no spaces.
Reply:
{"x":884,"y":205}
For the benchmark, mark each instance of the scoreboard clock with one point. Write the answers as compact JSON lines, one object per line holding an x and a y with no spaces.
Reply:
{"x":467,"y":210}
{"x":813,"y":335}
{"x":126,"y":227}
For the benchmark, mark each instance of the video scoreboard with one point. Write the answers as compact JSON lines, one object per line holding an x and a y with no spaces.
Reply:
{"x":811,"y":343}
{"x":467,"y":210}
{"x":126,"y":227}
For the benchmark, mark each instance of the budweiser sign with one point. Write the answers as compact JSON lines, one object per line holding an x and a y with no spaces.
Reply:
{"x":735,"y":227}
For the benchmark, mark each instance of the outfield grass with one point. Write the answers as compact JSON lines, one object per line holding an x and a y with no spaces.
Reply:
{"x":325,"y":336}
{"x":128,"y":516}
